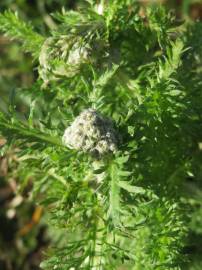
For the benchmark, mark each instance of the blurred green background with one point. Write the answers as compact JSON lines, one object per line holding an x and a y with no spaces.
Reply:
{"x":23,"y":232}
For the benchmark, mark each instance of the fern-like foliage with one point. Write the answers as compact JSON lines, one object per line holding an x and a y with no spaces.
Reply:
{"x":16,"y":28}
{"x":124,"y":209}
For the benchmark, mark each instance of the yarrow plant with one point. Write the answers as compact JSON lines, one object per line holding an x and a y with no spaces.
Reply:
{"x":110,"y":134}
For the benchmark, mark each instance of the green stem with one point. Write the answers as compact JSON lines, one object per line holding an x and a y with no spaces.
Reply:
{"x":114,"y":196}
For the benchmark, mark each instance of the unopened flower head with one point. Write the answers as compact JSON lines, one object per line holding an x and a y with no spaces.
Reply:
{"x":91,"y":132}
{"x":62,"y":57}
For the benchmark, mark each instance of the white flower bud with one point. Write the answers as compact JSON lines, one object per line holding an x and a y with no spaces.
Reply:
{"x":91,"y":132}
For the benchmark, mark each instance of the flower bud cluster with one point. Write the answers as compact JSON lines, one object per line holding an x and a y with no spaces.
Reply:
{"x":91,"y":132}
{"x":61,"y":57}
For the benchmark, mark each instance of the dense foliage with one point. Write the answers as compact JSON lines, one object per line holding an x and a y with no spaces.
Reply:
{"x":135,"y":65}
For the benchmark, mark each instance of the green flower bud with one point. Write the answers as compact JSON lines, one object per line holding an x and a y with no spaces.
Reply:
{"x":62,"y":57}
